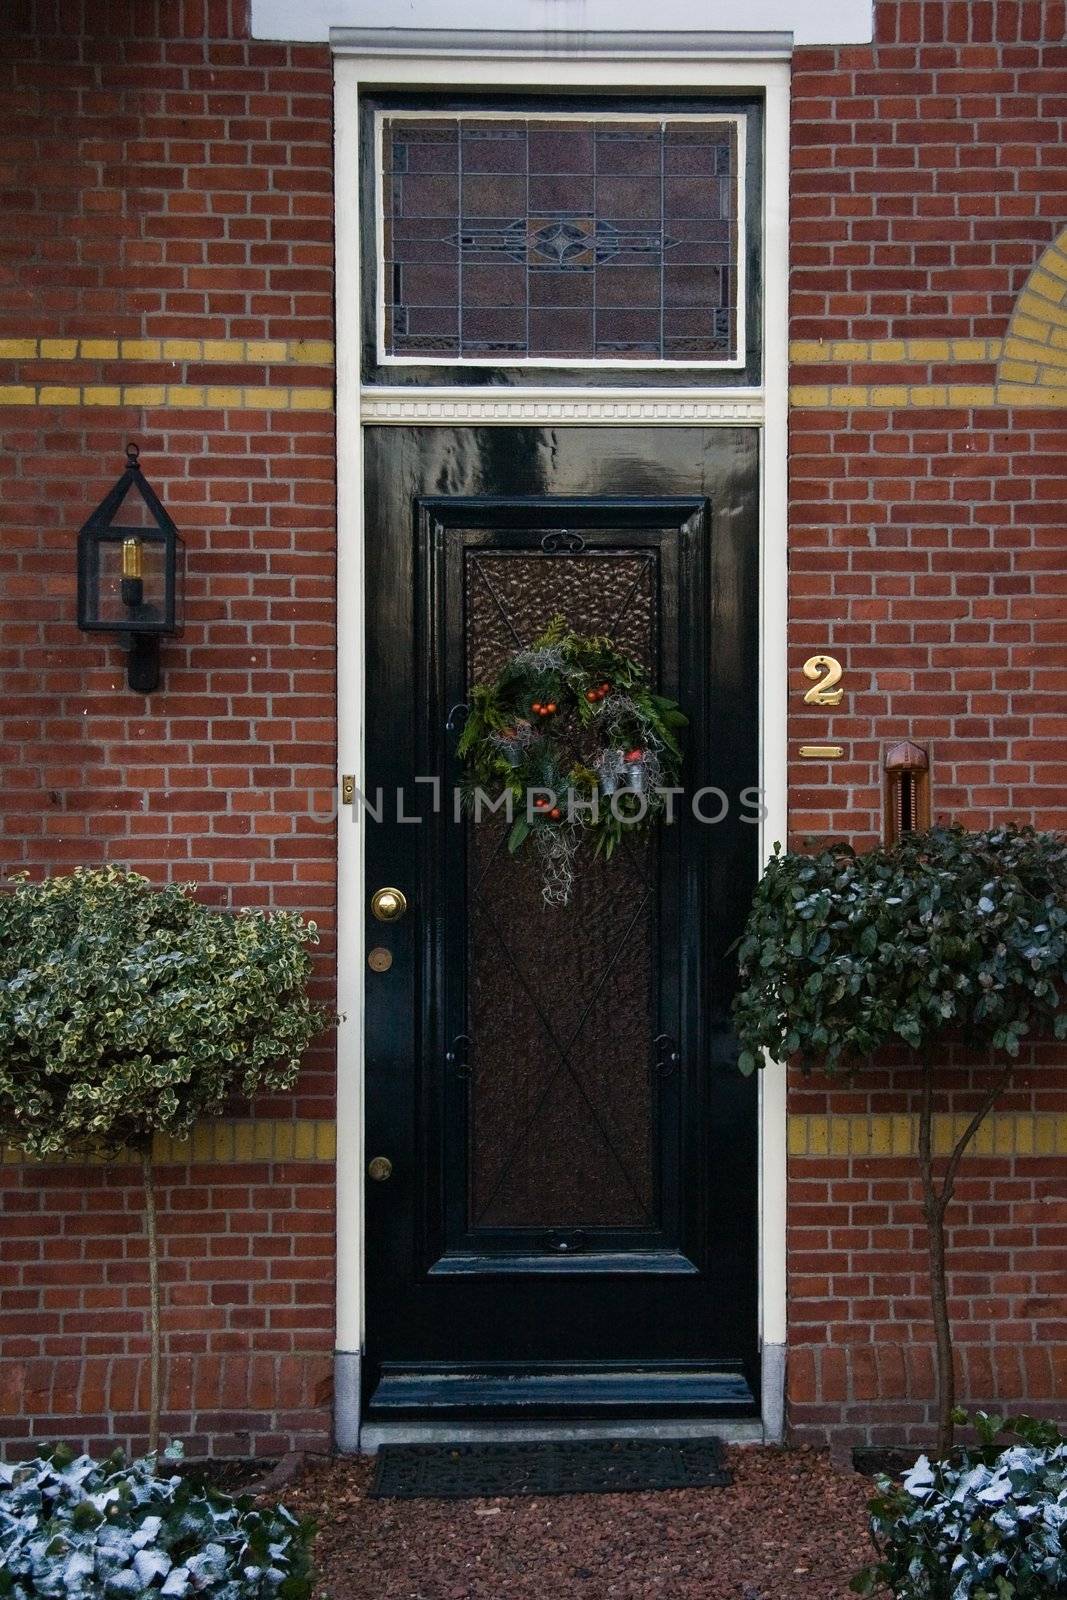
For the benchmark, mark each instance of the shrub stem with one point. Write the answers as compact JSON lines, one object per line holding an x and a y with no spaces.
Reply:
{"x":935,"y":1204}
{"x":148,"y":1178}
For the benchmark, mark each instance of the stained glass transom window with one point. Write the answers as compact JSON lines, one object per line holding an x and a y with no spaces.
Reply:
{"x":518,"y":239}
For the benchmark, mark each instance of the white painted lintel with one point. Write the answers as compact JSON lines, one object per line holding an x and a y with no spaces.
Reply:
{"x":509,"y":45}
{"x":808,"y":21}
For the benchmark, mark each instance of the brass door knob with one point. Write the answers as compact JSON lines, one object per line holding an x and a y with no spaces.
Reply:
{"x":380,"y":1169}
{"x":388,"y":905}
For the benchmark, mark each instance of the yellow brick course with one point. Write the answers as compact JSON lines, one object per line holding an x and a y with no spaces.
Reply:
{"x":182,"y":350}
{"x":1031,"y":371}
{"x":1045,"y":354}
{"x":1033,"y":368}
{"x":145,"y":394}
{"x":223,"y":1142}
{"x":254,"y":352}
{"x":316,"y":352}
{"x":836,"y":352}
{"x":844,"y":397}
{"x":1018,"y":371}
{"x":310,"y":399}
{"x":271,"y":350}
{"x":200,"y":397}
{"x":1005,"y":1133}
{"x":141,"y":349}
{"x":1054,"y":260}
{"x":1034,"y":398}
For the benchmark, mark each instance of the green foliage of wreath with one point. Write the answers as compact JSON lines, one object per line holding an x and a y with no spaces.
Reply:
{"x":576,"y":717}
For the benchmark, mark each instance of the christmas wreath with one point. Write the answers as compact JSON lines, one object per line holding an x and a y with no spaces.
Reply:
{"x":571,"y":730}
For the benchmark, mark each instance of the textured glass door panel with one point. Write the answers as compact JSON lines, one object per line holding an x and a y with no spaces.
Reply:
{"x":561,"y":1007}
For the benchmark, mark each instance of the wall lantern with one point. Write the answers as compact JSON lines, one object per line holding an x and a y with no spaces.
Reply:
{"x":131,"y":573}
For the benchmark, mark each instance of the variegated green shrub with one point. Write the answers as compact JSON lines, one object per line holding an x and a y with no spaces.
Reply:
{"x":127,"y":1009}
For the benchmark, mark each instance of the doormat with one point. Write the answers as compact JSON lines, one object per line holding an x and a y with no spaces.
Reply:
{"x":565,"y":1466}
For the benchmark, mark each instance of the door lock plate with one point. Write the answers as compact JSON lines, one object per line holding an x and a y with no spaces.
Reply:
{"x":380,"y":1169}
{"x":380,"y":959}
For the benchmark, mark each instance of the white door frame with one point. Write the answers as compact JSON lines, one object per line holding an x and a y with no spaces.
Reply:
{"x":414,"y":62}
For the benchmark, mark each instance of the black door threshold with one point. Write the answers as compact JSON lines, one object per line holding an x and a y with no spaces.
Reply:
{"x":501,"y":1391}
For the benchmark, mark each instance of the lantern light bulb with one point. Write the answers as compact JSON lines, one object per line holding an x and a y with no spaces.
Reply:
{"x":131,"y":558}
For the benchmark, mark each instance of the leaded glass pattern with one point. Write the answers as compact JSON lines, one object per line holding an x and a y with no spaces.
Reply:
{"x":524,"y":239}
{"x":561,"y":1001}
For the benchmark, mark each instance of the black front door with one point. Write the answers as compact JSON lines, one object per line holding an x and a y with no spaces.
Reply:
{"x":569,"y":1227}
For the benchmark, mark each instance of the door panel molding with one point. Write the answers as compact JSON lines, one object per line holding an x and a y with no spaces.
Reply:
{"x":453,"y":528}
{"x":671,"y":1263}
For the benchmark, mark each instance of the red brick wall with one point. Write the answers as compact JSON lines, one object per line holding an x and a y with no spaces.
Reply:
{"x":164,"y":177}
{"x":247,"y":1272}
{"x":928,"y":553}
{"x":860,"y":1343}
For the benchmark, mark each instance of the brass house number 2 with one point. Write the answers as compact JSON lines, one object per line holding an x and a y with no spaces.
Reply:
{"x":825,"y":672}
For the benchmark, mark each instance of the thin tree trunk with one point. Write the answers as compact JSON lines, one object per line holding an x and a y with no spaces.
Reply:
{"x":934,"y":1212}
{"x":149,"y":1180}
{"x":935,"y":1204}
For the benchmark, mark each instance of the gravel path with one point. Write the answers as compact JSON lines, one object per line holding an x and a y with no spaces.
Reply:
{"x":791,"y":1527}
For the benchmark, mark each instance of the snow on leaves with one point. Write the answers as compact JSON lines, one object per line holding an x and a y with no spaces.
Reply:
{"x":991,"y":1524}
{"x":75,"y":1529}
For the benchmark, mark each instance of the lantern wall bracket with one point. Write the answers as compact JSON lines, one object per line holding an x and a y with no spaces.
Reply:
{"x":142,"y":662}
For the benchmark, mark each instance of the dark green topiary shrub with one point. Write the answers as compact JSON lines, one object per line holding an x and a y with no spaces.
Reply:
{"x":948,"y":934}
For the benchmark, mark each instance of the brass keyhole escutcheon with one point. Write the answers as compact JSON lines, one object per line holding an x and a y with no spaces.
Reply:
{"x":380,"y":1169}
{"x":388,"y":905}
{"x":380,"y":959}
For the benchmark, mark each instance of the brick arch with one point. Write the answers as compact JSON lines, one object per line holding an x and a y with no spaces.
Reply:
{"x":1032,"y":370}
